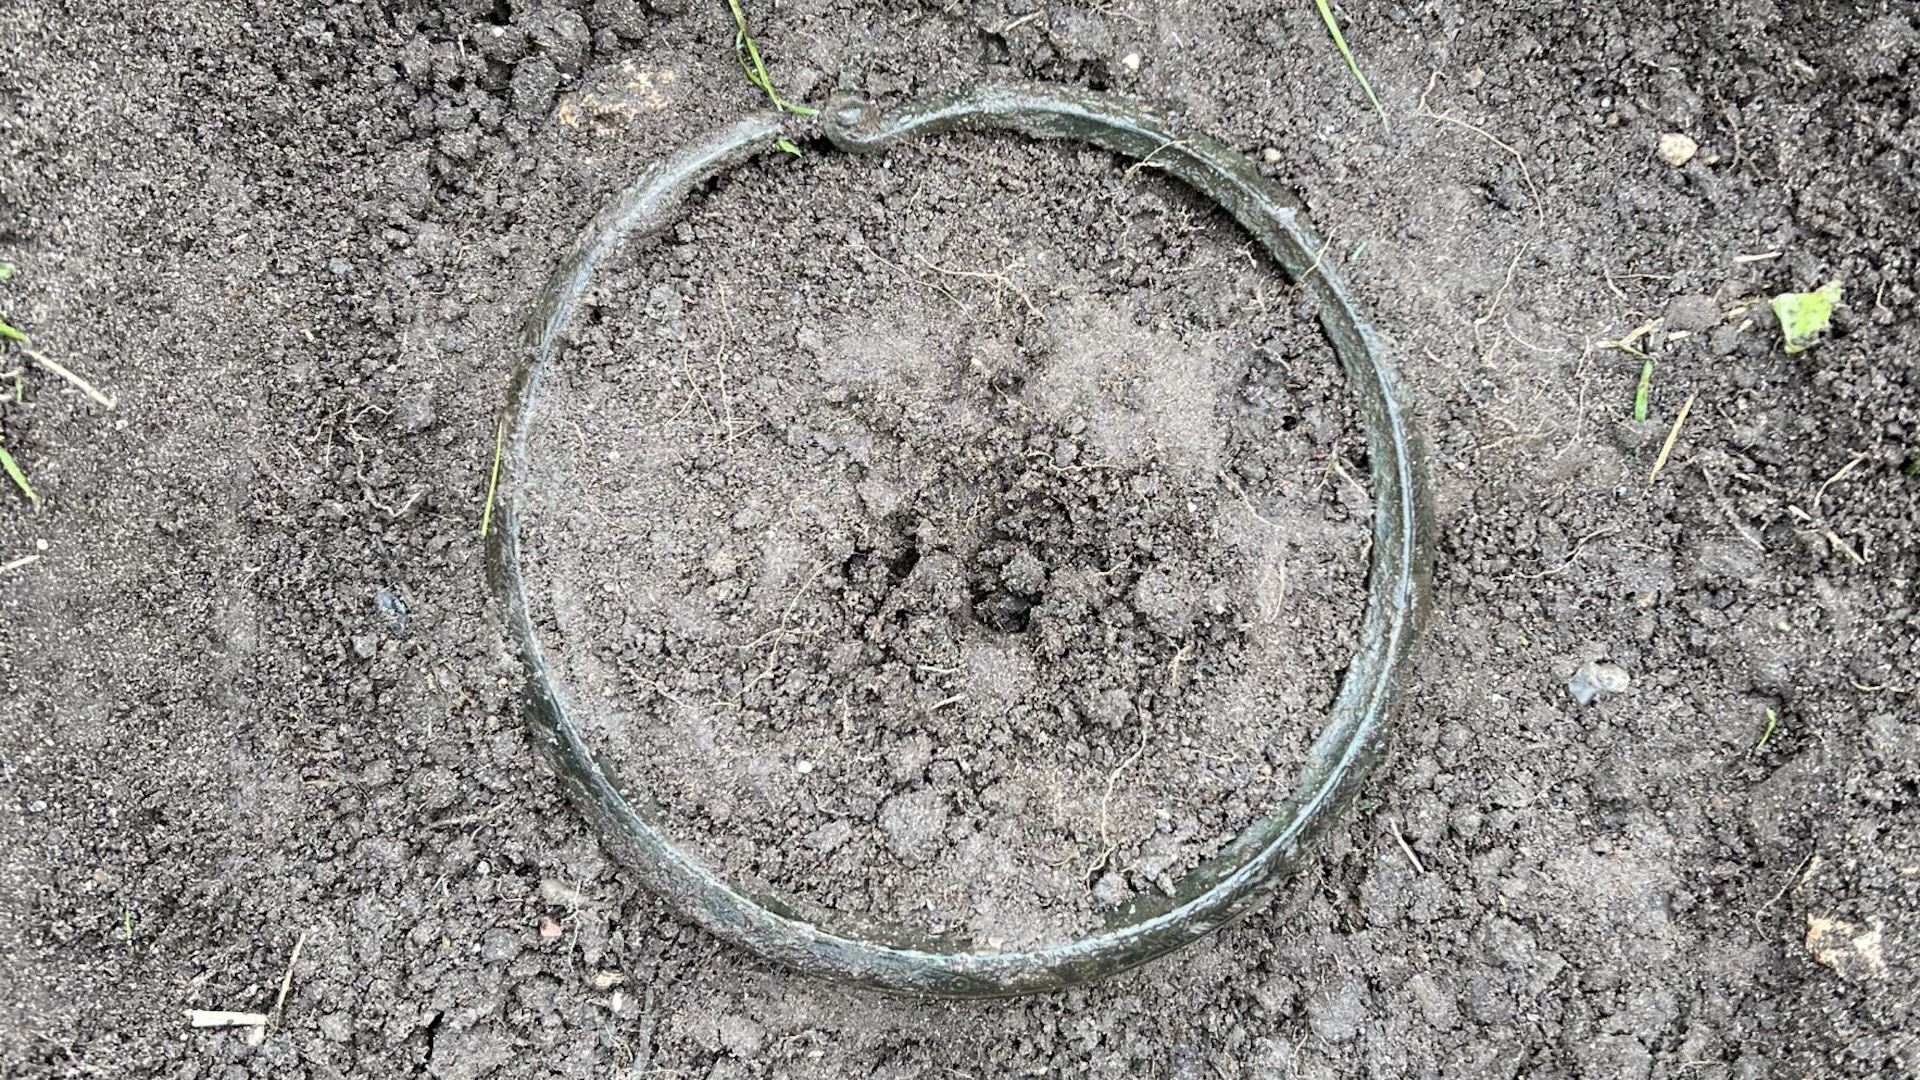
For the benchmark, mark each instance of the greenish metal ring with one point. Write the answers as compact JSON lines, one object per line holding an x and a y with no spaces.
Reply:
{"x":1242,"y":876}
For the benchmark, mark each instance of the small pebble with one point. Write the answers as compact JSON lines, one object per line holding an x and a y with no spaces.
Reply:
{"x":560,"y":894}
{"x":1131,"y":61}
{"x":1111,"y":890}
{"x":803,"y":766}
{"x":394,"y":608}
{"x":1597,"y":679}
{"x":1676,"y":149}
{"x":1270,"y":155}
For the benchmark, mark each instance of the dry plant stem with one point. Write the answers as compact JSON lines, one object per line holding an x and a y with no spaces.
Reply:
{"x":1539,"y":200}
{"x":1107,"y":845}
{"x":286,"y":981}
{"x":1673,"y":436}
{"x":83,"y":385}
{"x":19,"y":563}
{"x":1406,"y":848}
{"x":1837,"y":477}
{"x":493,"y":478}
{"x":215,"y":1018}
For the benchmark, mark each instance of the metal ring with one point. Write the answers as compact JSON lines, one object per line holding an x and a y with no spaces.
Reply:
{"x":1244,"y":873}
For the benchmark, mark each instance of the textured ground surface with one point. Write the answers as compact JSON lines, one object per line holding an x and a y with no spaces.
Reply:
{"x":293,"y":241}
{"x":887,"y":602}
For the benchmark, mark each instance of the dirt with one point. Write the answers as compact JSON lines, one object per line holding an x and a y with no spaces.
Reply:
{"x":254,"y":693}
{"x":990,"y":596}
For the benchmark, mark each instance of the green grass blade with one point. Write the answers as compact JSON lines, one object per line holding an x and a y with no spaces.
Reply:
{"x":1640,"y":395}
{"x":1339,"y":42}
{"x":755,"y":67}
{"x":19,"y":478}
{"x":11,"y":334}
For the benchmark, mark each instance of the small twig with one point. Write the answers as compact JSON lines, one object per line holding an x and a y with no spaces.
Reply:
{"x":1405,"y":847}
{"x":1022,"y":21}
{"x":1629,"y":343}
{"x":1673,"y":436}
{"x":1837,"y":477}
{"x":1247,"y":502}
{"x":22,"y":561}
{"x":1574,"y":555}
{"x":462,"y":820}
{"x":1740,"y":527}
{"x":996,"y":278}
{"x":1333,"y":462}
{"x":1173,"y":670}
{"x":1793,"y":878}
{"x":57,"y":368}
{"x":209,"y":1018}
{"x":1318,"y":256}
{"x":1845,"y":548}
{"x":493,"y":482}
{"x":286,"y":982}
{"x":920,"y":281}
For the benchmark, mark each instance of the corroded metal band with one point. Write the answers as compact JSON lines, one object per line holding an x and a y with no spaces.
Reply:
{"x":1243,"y":874}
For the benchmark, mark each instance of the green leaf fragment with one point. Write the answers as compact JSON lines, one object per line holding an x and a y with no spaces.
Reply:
{"x":1805,"y":316}
{"x":6,"y":271}
{"x":1640,"y":395}
{"x":15,"y":335}
{"x":787,"y":145}
{"x":755,"y":66}
{"x":19,"y":478}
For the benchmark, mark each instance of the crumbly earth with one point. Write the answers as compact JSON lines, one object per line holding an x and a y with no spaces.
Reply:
{"x":977,"y":598}
{"x":254,"y":693}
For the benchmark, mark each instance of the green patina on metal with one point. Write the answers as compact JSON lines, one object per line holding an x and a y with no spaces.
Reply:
{"x":840,"y":946}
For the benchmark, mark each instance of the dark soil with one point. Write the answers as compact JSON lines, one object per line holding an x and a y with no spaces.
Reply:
{"x":990,"y":596}
{"x":253,"y":689}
